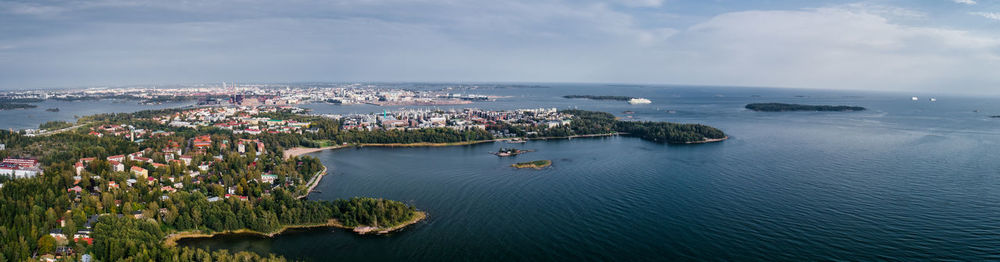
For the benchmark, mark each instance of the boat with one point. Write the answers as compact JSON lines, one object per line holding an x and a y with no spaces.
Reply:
{"x":636,"y":101}
{"x":933,"y":99}
{"x":55,"y":109}
{"x":629,"y":112}
{"x":915,"y":98}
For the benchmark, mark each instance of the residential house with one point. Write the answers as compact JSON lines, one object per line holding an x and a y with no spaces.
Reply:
{"x":140,"y":172}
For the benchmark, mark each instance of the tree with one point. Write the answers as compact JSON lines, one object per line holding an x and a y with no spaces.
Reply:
{"x":46,"y":244}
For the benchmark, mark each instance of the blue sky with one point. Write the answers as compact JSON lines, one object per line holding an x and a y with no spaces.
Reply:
{"x":930,"y":45}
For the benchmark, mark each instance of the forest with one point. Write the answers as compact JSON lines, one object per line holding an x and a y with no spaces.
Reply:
{"x":137,"y":216}
{"x":592,"y":122}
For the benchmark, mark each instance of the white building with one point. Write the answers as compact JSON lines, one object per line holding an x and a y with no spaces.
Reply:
{"x":20,"y":168}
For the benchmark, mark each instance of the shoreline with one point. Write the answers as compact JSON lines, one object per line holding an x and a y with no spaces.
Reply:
{"x":298,"y":151}
{"x":313,"y":182}
{"x":171,"y":239}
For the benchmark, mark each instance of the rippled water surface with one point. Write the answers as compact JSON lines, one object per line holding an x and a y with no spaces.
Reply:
{"x":904,"y":180}
{"x":69,"y":111}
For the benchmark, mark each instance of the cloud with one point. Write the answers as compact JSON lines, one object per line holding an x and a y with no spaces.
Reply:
{"x":643,"y":3}
{"x":967,"y":2}
{"x":832,"y":48}
{"x":31,"y":9}
{"x":990,"y":15}
{"x":856,"y":46}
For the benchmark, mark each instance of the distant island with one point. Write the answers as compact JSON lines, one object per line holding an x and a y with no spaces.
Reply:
{"x":10,"y":106}
{"x":780,"y":107}
{"x":537,"y":164}
{"x":616,"y":98}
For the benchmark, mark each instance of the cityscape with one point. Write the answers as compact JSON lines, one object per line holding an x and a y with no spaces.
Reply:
{"x":601,"y":130}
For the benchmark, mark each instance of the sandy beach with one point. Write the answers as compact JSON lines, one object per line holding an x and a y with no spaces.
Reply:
{"x":298,"y":151}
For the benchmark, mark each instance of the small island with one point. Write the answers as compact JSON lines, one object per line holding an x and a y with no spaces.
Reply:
{"x":537,"y":164}
{"x":591,"y":97}
{"x":780,"y":107}
{"x":510,"y":152}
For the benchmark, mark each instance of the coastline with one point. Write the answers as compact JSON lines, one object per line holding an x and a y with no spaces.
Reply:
{"x":313,"y":182}
{"x":298,"y":151}
{"x":171,"y":239}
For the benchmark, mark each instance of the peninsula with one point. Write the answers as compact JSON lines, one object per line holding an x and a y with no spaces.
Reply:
{"x":780,"y":107}
{"x":150,"y":178}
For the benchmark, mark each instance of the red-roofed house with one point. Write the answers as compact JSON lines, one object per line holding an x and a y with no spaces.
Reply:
{"x":79,"y":167}
{"x":139,"y":172}
{"x":202,"y":141}
{"x":119,"y":158}
{"x":117,"y":166}
{"x":132,"y":156}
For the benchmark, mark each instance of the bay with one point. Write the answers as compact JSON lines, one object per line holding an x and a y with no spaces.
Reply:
{"x":904,"y":180}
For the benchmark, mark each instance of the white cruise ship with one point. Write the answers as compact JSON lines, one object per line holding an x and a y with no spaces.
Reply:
{"x":639,"y":101}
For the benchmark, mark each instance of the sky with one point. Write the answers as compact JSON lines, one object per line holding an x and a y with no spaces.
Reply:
{"x":948,"y":46}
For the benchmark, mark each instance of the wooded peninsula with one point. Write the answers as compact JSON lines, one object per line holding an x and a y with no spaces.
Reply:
{"x":118,"y":185}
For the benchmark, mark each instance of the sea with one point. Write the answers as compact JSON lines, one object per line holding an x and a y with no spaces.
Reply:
{"x":905,"y":180}
{"x":71,"y":111}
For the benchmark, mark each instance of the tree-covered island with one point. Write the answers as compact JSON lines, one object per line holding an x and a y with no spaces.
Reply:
{"x":780,"y":107}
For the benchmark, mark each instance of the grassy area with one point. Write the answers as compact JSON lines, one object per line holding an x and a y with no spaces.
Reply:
{"x":54,"y":125}
{"x":537,"y":164}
